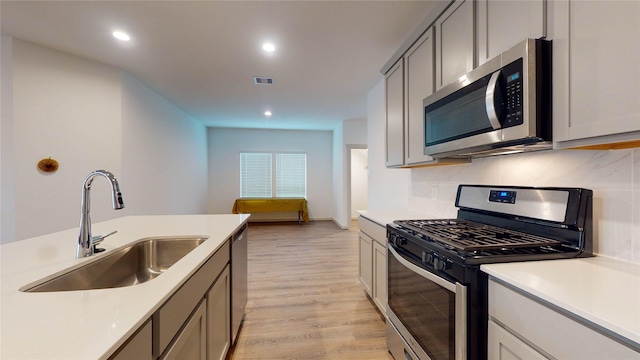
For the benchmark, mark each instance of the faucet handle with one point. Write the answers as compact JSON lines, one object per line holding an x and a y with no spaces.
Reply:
{"x":95,"y":240}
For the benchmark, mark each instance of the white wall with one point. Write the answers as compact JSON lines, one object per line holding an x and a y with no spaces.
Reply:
{"x":225,"y":146}
{"x":164,"y":164}
{"x":7,"y":187}
{"x":340,"y":212}
{"x":614,"y":176}
{"x":352,"y":132}
{"x":67,"y":108}
{"x":90,"y":116}
{"x":388,"y":188}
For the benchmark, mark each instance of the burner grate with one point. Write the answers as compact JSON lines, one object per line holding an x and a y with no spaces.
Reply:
{"x":471,"y":236}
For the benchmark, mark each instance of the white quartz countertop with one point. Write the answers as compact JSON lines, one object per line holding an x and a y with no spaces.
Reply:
{"x":384,"y":217}
{"x":600,"y":291}
{"x":92,"y":324}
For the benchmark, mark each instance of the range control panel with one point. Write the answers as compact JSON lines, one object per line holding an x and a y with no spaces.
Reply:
{"x":502,"y":196}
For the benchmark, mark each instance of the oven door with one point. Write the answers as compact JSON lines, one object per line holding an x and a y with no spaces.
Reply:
{"x":428,"y":312}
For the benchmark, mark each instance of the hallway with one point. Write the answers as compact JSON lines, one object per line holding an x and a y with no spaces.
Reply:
{"x":305,"y":301}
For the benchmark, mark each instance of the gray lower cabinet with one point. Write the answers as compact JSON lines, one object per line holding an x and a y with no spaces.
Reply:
{"x":506,"y":346}
{"x":171,"y":317}
{"x":191,"y":342}
{"x":373,"y":261}
{"x":523,"y":326}
{"x":138,"y":347}
{"x":365,"y":262}
{"x":219,"y":317}
{"x":194,"y":323}
{"x":380,"y":276}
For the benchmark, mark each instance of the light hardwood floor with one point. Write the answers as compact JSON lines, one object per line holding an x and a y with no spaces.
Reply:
{"x":305,"y":301}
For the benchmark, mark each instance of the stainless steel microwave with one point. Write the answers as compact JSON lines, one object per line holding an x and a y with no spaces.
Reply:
{"x":500,"y":107}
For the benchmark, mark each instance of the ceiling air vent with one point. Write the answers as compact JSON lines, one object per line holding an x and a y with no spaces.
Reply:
{"x":261,"y":80}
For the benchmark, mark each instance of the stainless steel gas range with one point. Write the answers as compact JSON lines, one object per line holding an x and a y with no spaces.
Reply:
{"x":437,"y":306}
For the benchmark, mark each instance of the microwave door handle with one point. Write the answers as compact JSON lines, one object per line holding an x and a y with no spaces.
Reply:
{"x":489,"y":101}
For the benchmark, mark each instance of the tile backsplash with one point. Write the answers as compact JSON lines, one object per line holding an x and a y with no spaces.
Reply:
{"x":614,"y":177}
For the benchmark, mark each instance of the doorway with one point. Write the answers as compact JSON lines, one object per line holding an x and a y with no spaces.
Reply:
{"x":358,"y":171}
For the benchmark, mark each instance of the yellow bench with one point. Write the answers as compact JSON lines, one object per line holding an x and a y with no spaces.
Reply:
{"x":251,"y":205}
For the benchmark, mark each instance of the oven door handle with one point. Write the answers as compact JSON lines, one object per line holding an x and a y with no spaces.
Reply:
{"x":461,"y":322}
{"x":422,"y":272}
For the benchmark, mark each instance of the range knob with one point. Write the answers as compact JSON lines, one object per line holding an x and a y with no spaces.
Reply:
{"x":397,"y":240}
{"x":427,"y":257}
{"x":439,"y":264}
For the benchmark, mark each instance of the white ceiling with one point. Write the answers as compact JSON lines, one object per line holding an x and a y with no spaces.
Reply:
{"x":202,"y":55}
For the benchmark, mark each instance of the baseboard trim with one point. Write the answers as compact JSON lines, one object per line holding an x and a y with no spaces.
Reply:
{"x":343,"y":227}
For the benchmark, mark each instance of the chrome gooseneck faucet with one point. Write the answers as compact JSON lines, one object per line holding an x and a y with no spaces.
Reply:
{"x":86,"y":242}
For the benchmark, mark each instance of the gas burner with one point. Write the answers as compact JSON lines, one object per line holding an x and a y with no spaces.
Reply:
{"x":471,"y":236}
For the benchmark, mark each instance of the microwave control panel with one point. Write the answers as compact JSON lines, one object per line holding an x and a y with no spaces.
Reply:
{"x":514,"y":94}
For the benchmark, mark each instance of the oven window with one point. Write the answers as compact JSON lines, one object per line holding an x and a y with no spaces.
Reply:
{"x":426,"y":309}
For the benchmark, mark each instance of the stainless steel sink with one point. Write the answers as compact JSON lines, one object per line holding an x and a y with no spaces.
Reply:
{"x":136,"y":263}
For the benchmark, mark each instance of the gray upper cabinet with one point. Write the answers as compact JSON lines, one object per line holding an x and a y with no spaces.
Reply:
{"x":394,"y":95}
{"x":596,"y":77}
{"x":413,"y":77}
{"x":454,"y":42}
{"x":419,"y":83}
{"x":503,"y":24}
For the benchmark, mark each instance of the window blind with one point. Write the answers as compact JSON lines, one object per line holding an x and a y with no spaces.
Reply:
{"x":291,"y":175}
{"x":288,"y":178}
{"x":255,"y":175}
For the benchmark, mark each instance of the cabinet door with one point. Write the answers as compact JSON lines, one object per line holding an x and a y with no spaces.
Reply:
{"x":168,"y":320}
{"x":366,"y":262}
{"x":219,"y":317}
{"x":394,"y":96}
{"x":419,"y":83}
{"x":138,"y":347}
{"x":191,"y":342}
{"x":503,"y":24}
{"x":380,"y":276}
{"x":596,"y":74}
{"x":454,"y":42}
{"x":504,"y":346}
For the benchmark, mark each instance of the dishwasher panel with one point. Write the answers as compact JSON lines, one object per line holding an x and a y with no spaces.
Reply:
{"x":238,"y":280}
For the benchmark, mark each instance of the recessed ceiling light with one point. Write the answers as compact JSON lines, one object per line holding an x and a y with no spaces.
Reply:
{"x":267,"y":113}
{"x":121,"y":36}
{"x":268,"y":47}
